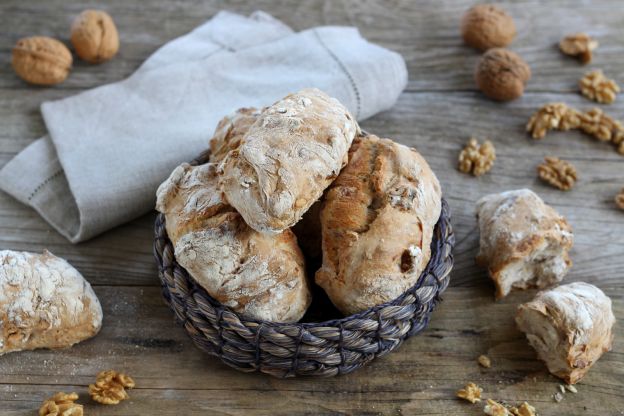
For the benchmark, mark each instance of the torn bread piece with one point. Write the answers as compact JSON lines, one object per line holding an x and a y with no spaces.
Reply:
{"x":523,"y":241}
{"x":570,"y":327}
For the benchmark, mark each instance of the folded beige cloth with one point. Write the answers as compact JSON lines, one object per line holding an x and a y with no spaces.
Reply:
{"x":109,"y":148}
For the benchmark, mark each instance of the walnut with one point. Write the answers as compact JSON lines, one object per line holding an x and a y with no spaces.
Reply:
{"x":502,"y":74}
{"x":94,"y":36}
{"x":595,"y":86}
{"x":579,"y":45}
{"x":524,"y":409}
{"x":484,"y":361}
{"x":493,"y":408}
{"x":477,"y":159}
{"x":486,"y":26}
{"x":619,"y":201}
{"x":553,"y":116}
{"x":110,"y":387}
{"x":41,"y":60}
{"x":602,"y":127}
{"x":558,"y":173}
{"x":471,"y":392}
{"x":61,"y":404}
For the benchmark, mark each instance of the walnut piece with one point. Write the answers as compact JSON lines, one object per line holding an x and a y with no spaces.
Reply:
{"x":41,"y":60}
{"x":484,"y":361}
{"x":619,"y":199}
{"x":524,"y":409}
{"x":486,"y":26}
{"x":553,"y":116}
{"x":471,"y":392}
{"x":502,"y":74}
{"x":494,"y":408}
{"x":94,"y":36}
{"x":477,"y":159}
{"x":579,"y":45}
{"x":110,"y":387}
{"x":595,"y":86}
{"x":61,"y":404}
{"x":558,"y":173}
{"x":602,"y":127}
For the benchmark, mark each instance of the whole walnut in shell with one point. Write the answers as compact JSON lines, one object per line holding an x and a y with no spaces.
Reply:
{"x":502,"y":74}
{"x":486,"y":26}
{"x":94,"y":36}
{"x":41,"y":60}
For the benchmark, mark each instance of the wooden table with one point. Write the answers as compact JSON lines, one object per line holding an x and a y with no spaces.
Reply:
{"x":437,"y":113}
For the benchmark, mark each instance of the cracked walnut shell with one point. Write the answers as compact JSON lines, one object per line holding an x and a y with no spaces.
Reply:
{"x":94,"y":36}
{"x":61,"y":404}
{"x":595,"y":86}
{"x":579,"y":45}
{"x":486,"y":26}
{"x":41,"y":60}
{"x":110,"y":387}
{"x":477,"y":159}
{"x":502,"y":74}
{"x":558,"y":173}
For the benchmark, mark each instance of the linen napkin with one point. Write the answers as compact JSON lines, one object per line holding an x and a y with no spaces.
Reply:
{"x":109,"y":148}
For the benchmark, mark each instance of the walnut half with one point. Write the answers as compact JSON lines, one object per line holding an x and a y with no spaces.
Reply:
{"x":558,"y":173}
{"x":110,"y":387}
{"x":579,"y":45}
{"x":471,"y":392}
{"x":477,"y":159}
{"x":619,"y":199}
{"x":61,"y":404}
{"x":595,"y":86}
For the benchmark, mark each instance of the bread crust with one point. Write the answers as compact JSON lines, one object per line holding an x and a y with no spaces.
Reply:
{"x":377,"y":224}
{"x":287,"y":158}
{"x":523,"y":241}
{"x":570,"y":327}
{"x":258,"y":275}
{"x":230,"y":132}
{"x":44,"y":303}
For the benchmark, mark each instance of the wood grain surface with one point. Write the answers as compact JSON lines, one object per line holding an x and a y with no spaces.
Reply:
{"x":437,"y":113}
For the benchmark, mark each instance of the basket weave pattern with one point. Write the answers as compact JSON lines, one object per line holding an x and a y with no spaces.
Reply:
{"x":327,"y":348}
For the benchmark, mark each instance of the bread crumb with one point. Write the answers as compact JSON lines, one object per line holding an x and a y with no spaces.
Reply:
{"x":596,"y":87}
{"x":471,"y":392}
{"x":484,"y":361}
{"x":571,"y":388}
{"x":558,"y":173}
{"x":477,"y":159}
{"x":494,"y":408}
{"x":579,"y":45}
{"x":557,"y":397}
{"x":562,"y":389}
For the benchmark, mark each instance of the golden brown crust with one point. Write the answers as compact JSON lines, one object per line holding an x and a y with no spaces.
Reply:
{"x":94,"y":36}
{"x":230,"y":132}
{"x":486,"y":26}
{"x":377,"y":219}
{"x":41,"y":60}
{"x":502,"y":74}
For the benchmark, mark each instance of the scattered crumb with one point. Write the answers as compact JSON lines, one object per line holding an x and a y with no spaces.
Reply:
{"x":477,"y":159}
{"x":571,"y":388}
{"x":471,"y":392}
{"x":558,"y":173}
{"x":493,"y":408}
{"x":557,"y":397}
{"x":597,"y":87}
{"x":562,"y":389}
{"x":484,"y":361}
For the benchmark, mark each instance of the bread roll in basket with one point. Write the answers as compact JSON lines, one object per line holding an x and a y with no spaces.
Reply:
{"x":321,"y":343}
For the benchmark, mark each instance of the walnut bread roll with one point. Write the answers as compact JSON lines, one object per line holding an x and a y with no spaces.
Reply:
{"x":44,"y":303}
{"x":570,"y":327}
{"x":523,"y":242}
{"x":377,"y":224}
{"x":258,"y":275}
{"x":230,"y":132}
{"x":287,"y":158}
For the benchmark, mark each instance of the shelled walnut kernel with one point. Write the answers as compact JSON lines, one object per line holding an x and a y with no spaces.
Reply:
{"x":595,"y":86}
{"x":471,"y":392}
{"x":558,"y":173}
{"x":524,"y":409}
{"x":553,"y":116}
{"x":619,"y":199}
{"x":493,"y":408}
{"x":110,"y":387}
{"x":484,"y":361}
{"x":579,"y":45}
{"x":602,"y":127}
{"x":477,"y":159}
{"x":61,"y":404}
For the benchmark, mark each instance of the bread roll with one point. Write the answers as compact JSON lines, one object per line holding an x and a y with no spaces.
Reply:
{"x":570,"y":327}
{"x":524,"y":242}
{"x":230,"y":131}
{"x":44,"y":303}
{"x":287,"y":158}
{"x":377,"y":220}
{"x":258,"y":275}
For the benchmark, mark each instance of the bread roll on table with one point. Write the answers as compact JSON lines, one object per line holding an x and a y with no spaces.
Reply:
{"x":377,"y":223}
{"x":287,"y":158}
{"x":570,"y":327}
{"x":258,"y":275}
{"x":523,"y":241}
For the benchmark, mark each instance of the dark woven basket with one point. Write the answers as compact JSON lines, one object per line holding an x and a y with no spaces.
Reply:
{"x":327,"y":348}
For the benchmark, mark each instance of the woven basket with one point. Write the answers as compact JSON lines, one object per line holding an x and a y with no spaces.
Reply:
{"x":328,"y":348}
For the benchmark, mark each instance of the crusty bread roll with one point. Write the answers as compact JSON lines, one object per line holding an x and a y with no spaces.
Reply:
{"x":570,"y":327}
{"x":523,"y":241}
{"x":287,"y":159}
{"x":230,"y":131}
{"x":44,"y":303}
{"x":261,"y":276}
{"x":377,"y":221}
